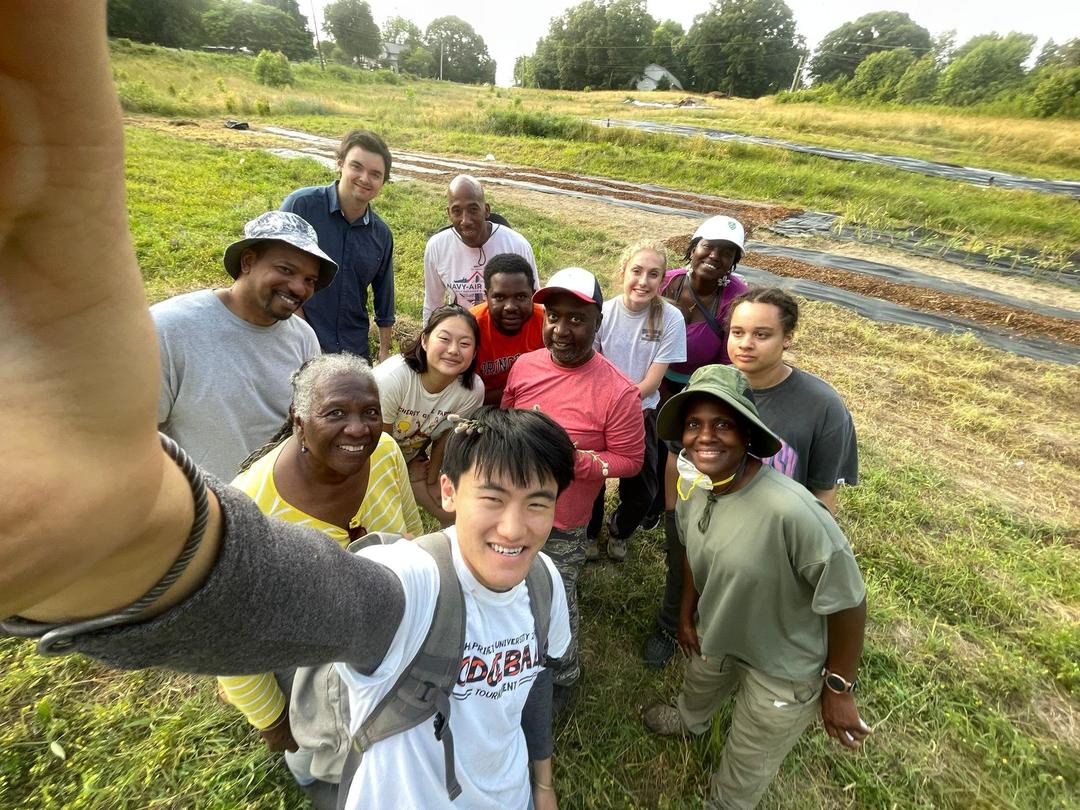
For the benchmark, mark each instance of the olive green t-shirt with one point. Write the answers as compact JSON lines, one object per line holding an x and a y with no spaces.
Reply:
{"x":770,"y":567}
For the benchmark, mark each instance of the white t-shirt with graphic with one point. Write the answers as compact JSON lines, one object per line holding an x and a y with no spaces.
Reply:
{"x":416,"y":416}
{"x":500,"y":662}
{"x":625,"y":339}
{"x":450,"y":264}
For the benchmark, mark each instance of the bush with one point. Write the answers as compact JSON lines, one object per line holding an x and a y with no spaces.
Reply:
{"x":535,"y":125}
{"x":877,"y":76}
{"x":919,"y":82}
{"x":341,"y":73}
{"x":272,"y":69}
{"x":1058,"y":93}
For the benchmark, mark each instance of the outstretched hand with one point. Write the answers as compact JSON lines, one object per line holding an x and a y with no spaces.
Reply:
{"x":841,"y":718}
{"x":78,"y":358}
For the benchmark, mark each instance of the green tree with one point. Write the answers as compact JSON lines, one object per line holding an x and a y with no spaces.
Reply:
{"x":919,"y":82}
{"x":257,"y":27}
{"x":402,"y":31}
{"x":597,"y":43}
{"x":525,"y":71}
{"x":290,"y":7}
{"x":667,"y":48}
{"x":353,"y":28}
{"x":1053,"y":55}
{"x":843,"y":49}
{"x":877,"y":77}
{"x":744,"y":47}
{"x":1058,"y":93}
{"x":980,"y":72}
{"x":173,"y":23}
{"x":460,"y":50}
{"x":272,"y":69}
{"x":418,"y":61}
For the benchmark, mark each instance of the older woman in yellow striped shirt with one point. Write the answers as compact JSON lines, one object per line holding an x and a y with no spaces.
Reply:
{"x":332,"y":468}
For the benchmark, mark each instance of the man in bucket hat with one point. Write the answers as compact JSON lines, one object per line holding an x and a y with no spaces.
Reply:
{"x":773,"y":606}
{"x":226,"y":355}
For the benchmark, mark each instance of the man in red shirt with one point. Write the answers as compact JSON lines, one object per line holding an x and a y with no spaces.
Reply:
{"x":510,"y":323}
{"x":598,"y":406}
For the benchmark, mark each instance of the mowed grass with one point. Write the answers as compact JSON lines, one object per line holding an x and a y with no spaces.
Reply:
{"x":970,"y":673}
{"x":475,"y":121}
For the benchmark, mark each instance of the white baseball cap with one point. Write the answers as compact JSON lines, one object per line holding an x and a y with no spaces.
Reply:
{"x":577,"y":281}
{"x":722,"y":228}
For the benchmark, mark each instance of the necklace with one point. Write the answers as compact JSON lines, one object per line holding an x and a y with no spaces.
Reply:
{"x":697,"y":302}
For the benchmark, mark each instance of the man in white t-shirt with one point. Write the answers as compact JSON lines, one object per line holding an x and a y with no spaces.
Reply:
{"x":454,"y":258}
{"x":503,"y":472}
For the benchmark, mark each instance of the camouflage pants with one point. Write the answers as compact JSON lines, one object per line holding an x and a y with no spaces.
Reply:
{"x":566,"y":547}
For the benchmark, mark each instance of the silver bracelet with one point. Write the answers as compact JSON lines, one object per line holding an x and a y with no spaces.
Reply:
{"x":57,"y":639}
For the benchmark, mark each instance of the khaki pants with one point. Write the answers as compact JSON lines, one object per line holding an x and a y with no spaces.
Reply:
{"x":770,"y":715}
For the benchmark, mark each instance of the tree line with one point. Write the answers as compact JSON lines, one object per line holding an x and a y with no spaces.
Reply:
{"x":448,"y":48}
{"x":751,"y":48}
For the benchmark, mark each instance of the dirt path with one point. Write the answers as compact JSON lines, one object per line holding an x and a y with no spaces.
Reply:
{"x":984,"y":312}
{"x":658,"y":211}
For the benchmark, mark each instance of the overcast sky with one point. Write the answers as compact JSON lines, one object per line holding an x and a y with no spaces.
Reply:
{"x":511,"y":29}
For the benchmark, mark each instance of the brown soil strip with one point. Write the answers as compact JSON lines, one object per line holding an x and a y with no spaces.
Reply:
{"x":951,"y":304}
{"x":752,"y":215}
{"x":984,"y":312}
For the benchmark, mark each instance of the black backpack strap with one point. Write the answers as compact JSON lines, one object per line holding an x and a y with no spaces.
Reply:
{"x":540,"y":587}
{"x":424,"y":686}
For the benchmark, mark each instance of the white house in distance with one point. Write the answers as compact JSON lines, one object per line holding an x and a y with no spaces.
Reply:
{"x":653,"y":74}
{"x":391,"y":55}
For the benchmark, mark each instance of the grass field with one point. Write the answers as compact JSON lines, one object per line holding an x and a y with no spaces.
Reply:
{"x":475,"y":121}
{"x":965,"y":524}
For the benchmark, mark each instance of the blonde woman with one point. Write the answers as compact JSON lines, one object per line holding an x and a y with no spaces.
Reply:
{"x":641,"y":333}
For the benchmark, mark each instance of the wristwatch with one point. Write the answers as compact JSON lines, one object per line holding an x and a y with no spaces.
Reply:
{"x":837,"y":684}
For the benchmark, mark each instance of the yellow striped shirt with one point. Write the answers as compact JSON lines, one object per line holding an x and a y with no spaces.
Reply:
{"x":389,"y":506}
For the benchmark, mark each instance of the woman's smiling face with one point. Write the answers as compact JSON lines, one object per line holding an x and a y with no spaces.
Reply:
{"x":450,"y":347}
{"x":344,"y":425}
{"x":713,"y":436}
{"x":641,"y":279}
{"x":713,"y":259}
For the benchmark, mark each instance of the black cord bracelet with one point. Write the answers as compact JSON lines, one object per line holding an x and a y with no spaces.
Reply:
{"x":57,"y":639}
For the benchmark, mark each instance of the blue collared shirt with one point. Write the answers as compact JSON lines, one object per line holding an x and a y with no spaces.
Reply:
{"x":364,"y":251}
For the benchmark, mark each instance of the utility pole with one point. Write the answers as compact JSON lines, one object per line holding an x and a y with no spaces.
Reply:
{"x":318,"y":45}
{"x":442,"y":47}
{"x":798,"y":68}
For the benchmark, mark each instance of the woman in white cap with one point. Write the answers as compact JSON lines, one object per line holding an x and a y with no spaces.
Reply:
{"x":773,"y":607}
{"x":703,"y":290}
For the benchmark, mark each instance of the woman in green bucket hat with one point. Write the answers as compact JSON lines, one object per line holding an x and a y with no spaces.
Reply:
{"x":773,"y":607}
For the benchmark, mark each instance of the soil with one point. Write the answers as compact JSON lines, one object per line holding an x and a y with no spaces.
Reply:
{"x":676,"y":229}
{"x":961,"y":306}
{"x":1044,"y":291}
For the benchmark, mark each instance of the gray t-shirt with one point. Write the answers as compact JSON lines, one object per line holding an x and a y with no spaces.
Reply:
{"x":626,"y":339}
{"x":225,"y":385}
{"x":770,"y":567}
{"x":820,"y":451}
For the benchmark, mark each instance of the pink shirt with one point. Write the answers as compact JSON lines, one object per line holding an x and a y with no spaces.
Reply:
{"x":598,"y":406}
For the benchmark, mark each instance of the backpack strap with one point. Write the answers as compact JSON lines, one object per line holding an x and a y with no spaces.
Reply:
{"x":424,"y":686}
{"x":540,"y":587}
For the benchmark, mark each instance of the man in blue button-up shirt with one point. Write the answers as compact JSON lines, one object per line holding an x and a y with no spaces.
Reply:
{"x":358,"y":240}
